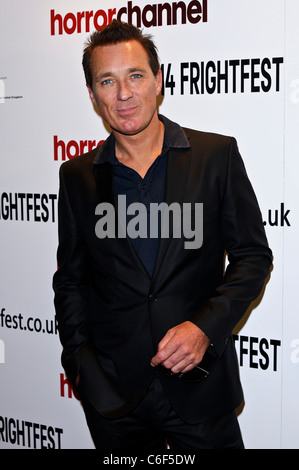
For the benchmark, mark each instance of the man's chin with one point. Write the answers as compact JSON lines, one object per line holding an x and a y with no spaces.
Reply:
{"x":129,"y":130}
{"x":131,"y":127}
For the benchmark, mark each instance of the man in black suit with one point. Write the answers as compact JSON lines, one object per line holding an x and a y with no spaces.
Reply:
{"x":144,"y":307}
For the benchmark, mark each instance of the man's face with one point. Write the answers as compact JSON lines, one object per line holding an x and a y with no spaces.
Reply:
{"x":124,"y":86}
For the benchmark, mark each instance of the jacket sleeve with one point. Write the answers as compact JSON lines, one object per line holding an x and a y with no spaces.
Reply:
{"x":70,"y":282}
{"x":249,"y":257}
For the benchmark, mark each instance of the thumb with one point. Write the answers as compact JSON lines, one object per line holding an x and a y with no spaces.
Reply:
{"x":158,"y":358}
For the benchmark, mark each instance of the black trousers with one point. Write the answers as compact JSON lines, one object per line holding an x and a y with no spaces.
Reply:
{"x":153,"y":425}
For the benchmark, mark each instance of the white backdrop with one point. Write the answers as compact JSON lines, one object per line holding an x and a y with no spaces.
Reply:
{"x":230,"y":67}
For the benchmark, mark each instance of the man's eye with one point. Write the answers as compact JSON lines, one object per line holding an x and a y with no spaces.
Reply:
{"x":106,"y":82}
{"x":136,"y":75}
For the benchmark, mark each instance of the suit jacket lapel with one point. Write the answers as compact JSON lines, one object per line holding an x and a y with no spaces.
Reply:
{"x":178,"y":165}
{"x":103,"y":176}
{"x":105,"y":193}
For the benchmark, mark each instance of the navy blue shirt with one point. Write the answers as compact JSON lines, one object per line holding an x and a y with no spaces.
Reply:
{"x":147,"y":190}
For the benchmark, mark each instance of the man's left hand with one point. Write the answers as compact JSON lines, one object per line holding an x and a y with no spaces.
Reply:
{"x":182,"y":348}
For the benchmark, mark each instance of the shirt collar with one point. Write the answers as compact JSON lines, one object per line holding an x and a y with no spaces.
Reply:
{"x":174,"y":137}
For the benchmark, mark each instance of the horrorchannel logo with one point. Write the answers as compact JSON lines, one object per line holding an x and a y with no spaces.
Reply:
{"x":152,"y":221}
{"x":147,"y":16}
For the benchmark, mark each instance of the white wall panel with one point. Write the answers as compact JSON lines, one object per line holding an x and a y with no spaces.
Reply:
{"x":45,"y":115}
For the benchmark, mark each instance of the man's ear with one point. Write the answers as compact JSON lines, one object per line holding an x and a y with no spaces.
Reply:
{"x":158,"y":82}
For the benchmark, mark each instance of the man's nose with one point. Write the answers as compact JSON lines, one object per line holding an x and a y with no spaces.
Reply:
{"x":124,"y":92}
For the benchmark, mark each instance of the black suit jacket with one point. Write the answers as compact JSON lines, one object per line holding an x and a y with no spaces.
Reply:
{"x":112,"y":315}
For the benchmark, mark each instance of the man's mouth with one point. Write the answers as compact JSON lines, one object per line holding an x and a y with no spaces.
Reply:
{"x":124,"y":112}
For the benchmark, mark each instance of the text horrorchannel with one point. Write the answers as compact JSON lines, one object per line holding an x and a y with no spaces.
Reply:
{"x":149,"y":15}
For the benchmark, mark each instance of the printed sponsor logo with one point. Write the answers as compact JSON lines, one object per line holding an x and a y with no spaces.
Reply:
{"x":71,"y":149}
{"x":66,"y":389}
{"x":159,"y":14}
{"x":3,"y":96}
{"x":278,"y":217}
{"x":30,"y":435}
{"x":28,"y":207}
{"x":2,"y":352}
{"x":32,"y":324}
{"x":257,"y":353}
{"x":250,"y":75}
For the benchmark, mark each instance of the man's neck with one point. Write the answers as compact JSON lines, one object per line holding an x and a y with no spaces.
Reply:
{"x":139,"y":151}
